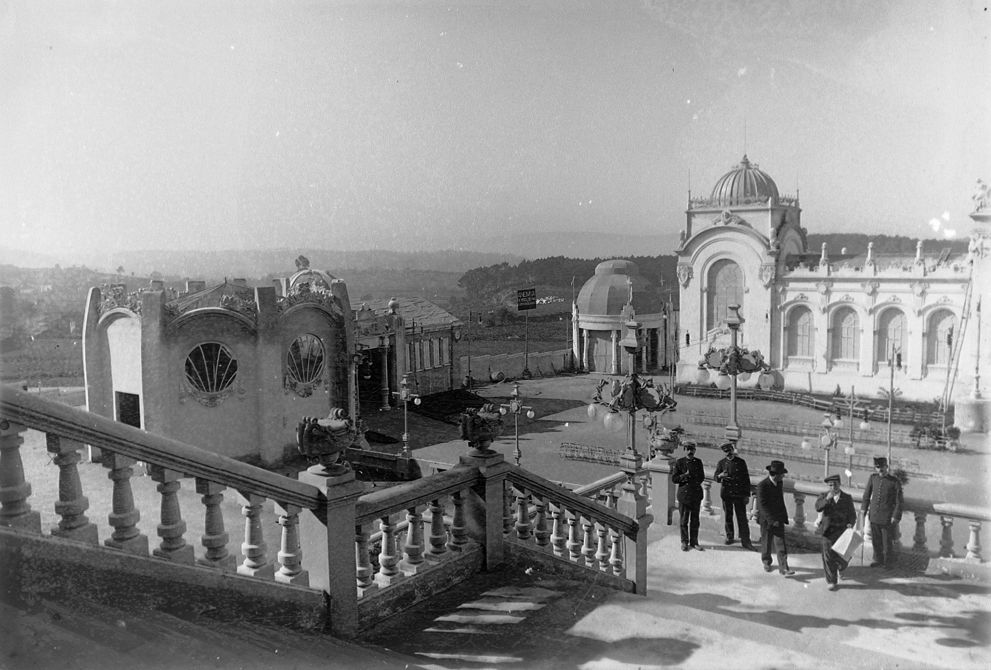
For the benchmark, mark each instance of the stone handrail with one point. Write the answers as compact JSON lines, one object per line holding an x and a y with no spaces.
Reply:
{"x":399,"y":498}
{"x":599,"y":485}
{"x":98,"y":431}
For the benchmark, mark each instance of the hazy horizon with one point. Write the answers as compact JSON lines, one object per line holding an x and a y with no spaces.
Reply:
{"x":421,"y":125}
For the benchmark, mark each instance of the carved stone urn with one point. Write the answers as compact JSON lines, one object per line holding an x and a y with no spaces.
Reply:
{"x":323,"y":441}
{"x":479,"y":427}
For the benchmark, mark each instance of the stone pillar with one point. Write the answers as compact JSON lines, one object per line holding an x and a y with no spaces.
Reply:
{"x":328,"y":542}
{"x":492,"y":491}
{"x":270,"y":398}
{"x":384,"y":386}
{"x":614,"y":357}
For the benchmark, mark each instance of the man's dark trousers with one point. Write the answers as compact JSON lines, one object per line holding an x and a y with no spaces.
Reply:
{"x":883,"y":541}
{"x":737,"y":506}
{"x":773,"y":535}
{"x":689,"y":515}
{"x":831,"y":561}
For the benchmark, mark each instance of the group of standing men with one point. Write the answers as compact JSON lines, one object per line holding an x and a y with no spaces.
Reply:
{"x":882,"y":508}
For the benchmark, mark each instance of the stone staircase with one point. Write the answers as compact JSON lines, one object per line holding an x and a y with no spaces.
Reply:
{"x":509,"y":617}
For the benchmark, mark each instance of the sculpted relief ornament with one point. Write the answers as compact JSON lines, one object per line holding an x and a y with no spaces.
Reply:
{"x":824,"y":288}
{"x":685,"y":274}
{"x":766,"y":274}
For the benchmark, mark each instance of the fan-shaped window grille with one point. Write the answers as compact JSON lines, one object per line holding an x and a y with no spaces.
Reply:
{"x":211,"y":367}
{"x":306,"y":359}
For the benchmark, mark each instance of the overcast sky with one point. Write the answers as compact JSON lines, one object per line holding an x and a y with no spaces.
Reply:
{"x":424,"y":125}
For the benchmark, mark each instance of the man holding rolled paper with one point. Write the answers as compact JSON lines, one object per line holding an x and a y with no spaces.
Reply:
{"x":838,"y":514}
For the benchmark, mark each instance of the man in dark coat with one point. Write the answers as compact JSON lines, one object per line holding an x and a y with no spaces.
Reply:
{"x":688,"y":474}
{"x":838,"y":514}
{"x":773,"y":517}
{"x":882,"y":507}
{"x":734,"y":479}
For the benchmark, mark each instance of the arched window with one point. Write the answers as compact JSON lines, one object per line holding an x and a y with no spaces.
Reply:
{"x":211,"y":367}
{"x":801,"y":333}
{"x":891,"y":332}
{"x":305,"y":359}
{"x":725,"y":288}
{"x":846,"y":335}
{"x":939,"y":337}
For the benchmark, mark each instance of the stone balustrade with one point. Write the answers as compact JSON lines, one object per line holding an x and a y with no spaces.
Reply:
{"x":937,"y":529}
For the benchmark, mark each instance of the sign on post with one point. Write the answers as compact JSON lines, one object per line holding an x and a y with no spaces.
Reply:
{"x":526,"y":298}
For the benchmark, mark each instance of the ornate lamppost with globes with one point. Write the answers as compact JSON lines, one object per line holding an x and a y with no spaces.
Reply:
{"x":516,"y":407}
{"x":404,"y":395}
{"x":733,"y":363}
{"x":629,"y":396}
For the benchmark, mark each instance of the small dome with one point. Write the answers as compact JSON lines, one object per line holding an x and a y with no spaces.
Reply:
{"x":744,"y":185}
{"x":608,"y":291}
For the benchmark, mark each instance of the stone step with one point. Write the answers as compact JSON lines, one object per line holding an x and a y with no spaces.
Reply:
{"x":502,"y":605}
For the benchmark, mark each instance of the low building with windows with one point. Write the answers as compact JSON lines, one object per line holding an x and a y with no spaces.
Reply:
{"x":233,"y":368}
{"x":825,"y":320}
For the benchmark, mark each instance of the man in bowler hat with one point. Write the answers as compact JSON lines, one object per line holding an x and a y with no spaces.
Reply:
{"x":688,"y":474}
{"x":882,"y":507}
{"x":734,"y":479}
{"x":838,"y":514}
{"x":773,"y":517}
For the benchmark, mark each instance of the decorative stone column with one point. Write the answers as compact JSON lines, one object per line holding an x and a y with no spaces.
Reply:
{"x":15,"y":510}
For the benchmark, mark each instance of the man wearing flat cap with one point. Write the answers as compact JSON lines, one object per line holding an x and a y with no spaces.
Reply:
{"x":689,"y":474}
{"x":734,"y":479}
{"x":772,"y":515}
{"x":882,"y":507}
{"x":838,"y":514}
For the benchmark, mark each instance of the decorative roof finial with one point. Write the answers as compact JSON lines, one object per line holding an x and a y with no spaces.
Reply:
{"x":824,"y":257}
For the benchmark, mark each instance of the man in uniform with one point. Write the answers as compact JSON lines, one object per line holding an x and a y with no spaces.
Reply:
{"x":772,"y":515}
{"x":838,"y":514}
{"x":734,"y":479}
{"x":688,"y":474}
{"x":882,"y":507}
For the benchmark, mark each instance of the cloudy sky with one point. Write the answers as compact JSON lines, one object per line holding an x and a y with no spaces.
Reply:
{"x":425,"y":125}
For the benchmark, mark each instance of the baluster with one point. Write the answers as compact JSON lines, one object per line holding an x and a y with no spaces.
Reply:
{"x":558,"y":536}
{"x":616,"y":553}
{"x":15,"y":510}
{"x":507,"y":508}
{"x":256,"y":563}
{"x":602,"y":550}
{"x":362,"y":560}
{"x":173,"y":546}
{"x":523,"y":526}
{"x":413,"y":547}
{"x":752,"y":516}
{"x":438,"y":531}
{"x":612,"y":498}
{"x":124,"y":517}
{"x":290,"y":553}
{"x":707,"y":498}
{"x":541,"y":532}
{"x":974,"y":542}
{"x":799,"y":511}
{"x":388,"y":559}
{"x":215,"y":537}
{"x":574,"y":544}
{"x":459,"y":529}
{"x":946,"y":542}
{"x":920,"y":533}
{"x":588,"y":545}
{"x":71,"y":503}
{"x":896,"y":535}
{"x":865,"y":523}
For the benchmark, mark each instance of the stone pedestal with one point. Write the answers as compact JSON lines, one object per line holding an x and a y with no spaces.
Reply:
{"x":972,"y":415}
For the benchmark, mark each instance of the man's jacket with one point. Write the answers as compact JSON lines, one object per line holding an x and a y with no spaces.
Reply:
{"x":688,"y":475}
{"x":771,"y":503}
{"x":836,"y":515}
{"x":736,"y":482}
{"x":883,"y":499}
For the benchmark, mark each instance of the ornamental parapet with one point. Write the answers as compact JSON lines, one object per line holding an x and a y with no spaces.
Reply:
{"x":115,"y":296}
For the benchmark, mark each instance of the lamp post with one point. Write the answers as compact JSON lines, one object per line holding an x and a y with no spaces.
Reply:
{"x":894,"y":361}
{"x":629,"y":396}
{"x":828,"y":439}
{"x":853,"y":404}
{"x":405,"y":395}
{"x":516,"y":407}
{"x":733,"y":362}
